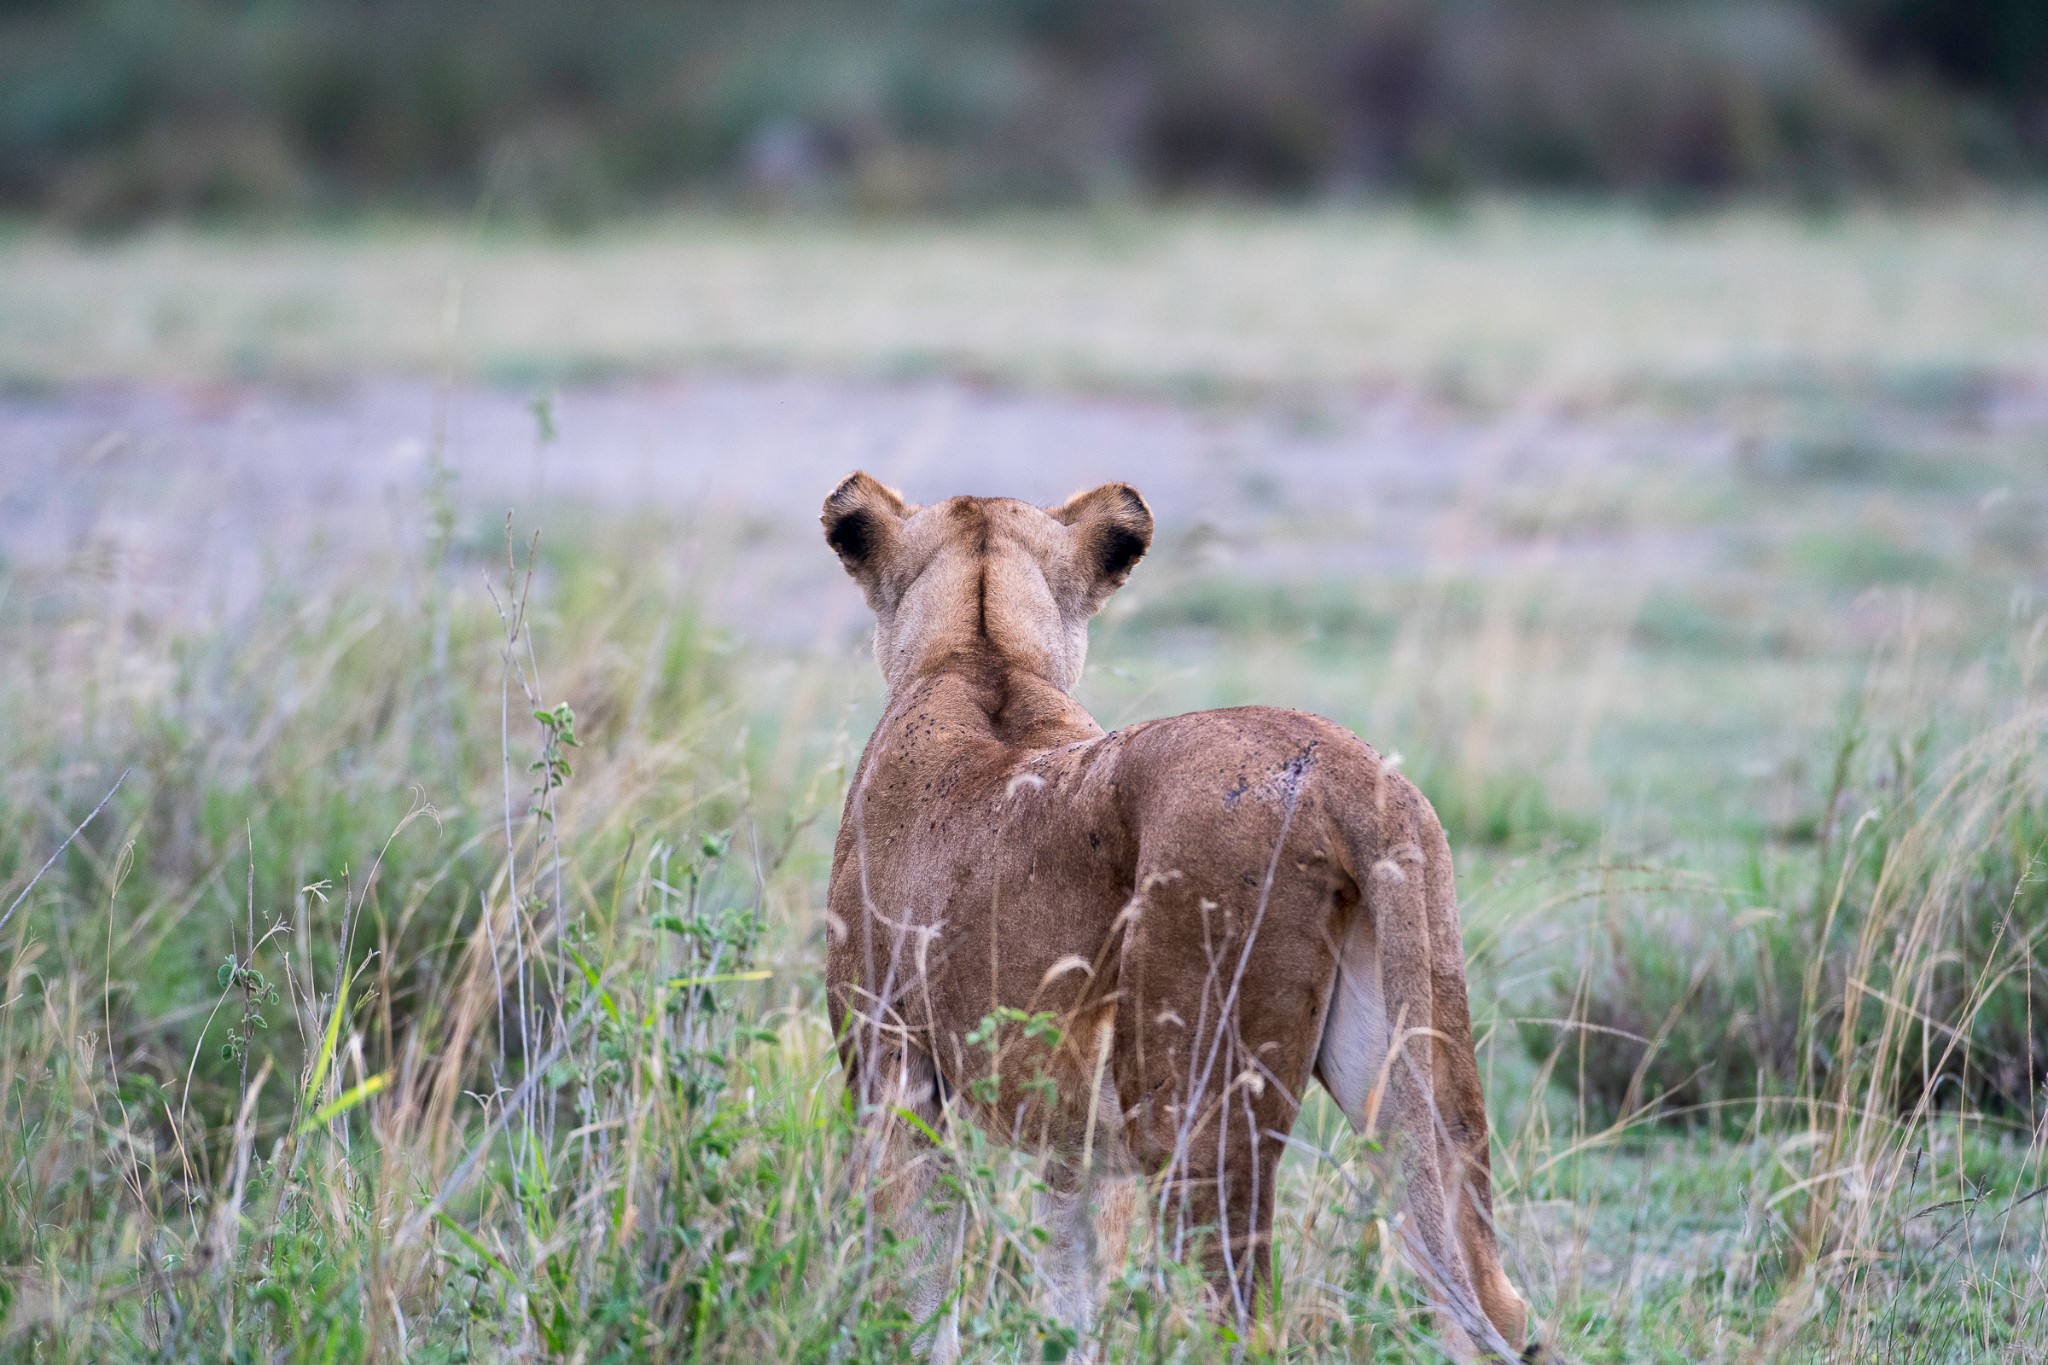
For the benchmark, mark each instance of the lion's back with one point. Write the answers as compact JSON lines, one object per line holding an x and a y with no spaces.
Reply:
{"x":1225,"y":784}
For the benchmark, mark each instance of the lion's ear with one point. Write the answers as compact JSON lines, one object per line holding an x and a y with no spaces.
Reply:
{"x":863,"y":520}
{"x":1112,"y":530}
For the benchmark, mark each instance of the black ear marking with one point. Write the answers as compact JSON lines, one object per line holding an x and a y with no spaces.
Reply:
{"x":1113,"y":529}
{"x":852,"y":535}
{"x":1119,"y":550}
{"x":862,"y":517}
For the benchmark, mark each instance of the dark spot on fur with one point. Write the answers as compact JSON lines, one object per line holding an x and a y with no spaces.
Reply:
{"x":1290,"y":773}
{"x":1236,"y":794}
{"x":1094,"y":839}
{"x":1249,"y":879}
{"x":852,"y":537}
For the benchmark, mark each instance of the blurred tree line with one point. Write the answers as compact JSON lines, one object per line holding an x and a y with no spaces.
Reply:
{"x":116,"y":110}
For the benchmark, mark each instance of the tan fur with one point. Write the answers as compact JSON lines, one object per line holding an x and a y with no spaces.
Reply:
{"x":1213,"y":907}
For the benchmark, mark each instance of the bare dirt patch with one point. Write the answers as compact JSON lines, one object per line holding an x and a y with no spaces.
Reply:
{"x":206,"y":496}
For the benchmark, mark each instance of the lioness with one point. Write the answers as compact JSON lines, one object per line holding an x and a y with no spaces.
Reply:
{"x":1130,"y":951}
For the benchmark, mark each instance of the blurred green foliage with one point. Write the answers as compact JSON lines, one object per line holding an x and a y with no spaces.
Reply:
{"x":1933,"y":892}
{"x":115,"y":110}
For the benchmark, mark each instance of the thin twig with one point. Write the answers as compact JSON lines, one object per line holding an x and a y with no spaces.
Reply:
{"x":16,"y":902}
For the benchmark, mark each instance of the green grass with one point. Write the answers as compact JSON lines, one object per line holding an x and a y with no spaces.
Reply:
{"x":1765,"y":806}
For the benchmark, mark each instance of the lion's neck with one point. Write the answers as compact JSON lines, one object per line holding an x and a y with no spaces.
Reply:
{"x":983,"y":698}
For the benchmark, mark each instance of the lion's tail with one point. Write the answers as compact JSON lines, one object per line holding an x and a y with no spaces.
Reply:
{"x":1392,"y":1065}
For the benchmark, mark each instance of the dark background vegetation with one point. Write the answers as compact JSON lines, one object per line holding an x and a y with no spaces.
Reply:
{"x":117,"y":110}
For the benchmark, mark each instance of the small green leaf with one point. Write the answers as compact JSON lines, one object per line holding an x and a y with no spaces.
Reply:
{"x":476,"y":1247}
{"x":914,"y":1121}
{"x":325,"y":1057}
{"x":685,"y":982}
{"x":346,"y":1101}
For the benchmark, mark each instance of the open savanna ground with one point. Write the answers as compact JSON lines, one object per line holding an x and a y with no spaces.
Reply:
{"x":441,"y":980}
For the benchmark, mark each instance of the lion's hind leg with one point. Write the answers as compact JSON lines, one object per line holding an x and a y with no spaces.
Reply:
{"x":1209,"y":1064}
{"x":1089,"y":1219}
{"x":901,"y":1169}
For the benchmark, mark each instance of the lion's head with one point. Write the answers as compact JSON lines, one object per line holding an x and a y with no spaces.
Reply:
{"x":968,"y":576}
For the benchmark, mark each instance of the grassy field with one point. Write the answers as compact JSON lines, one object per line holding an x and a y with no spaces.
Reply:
{"x":1695,"y":569}
{"x":1498,"y":302}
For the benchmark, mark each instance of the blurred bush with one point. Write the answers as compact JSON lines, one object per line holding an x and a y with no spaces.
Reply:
{"x":112,"y":110}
